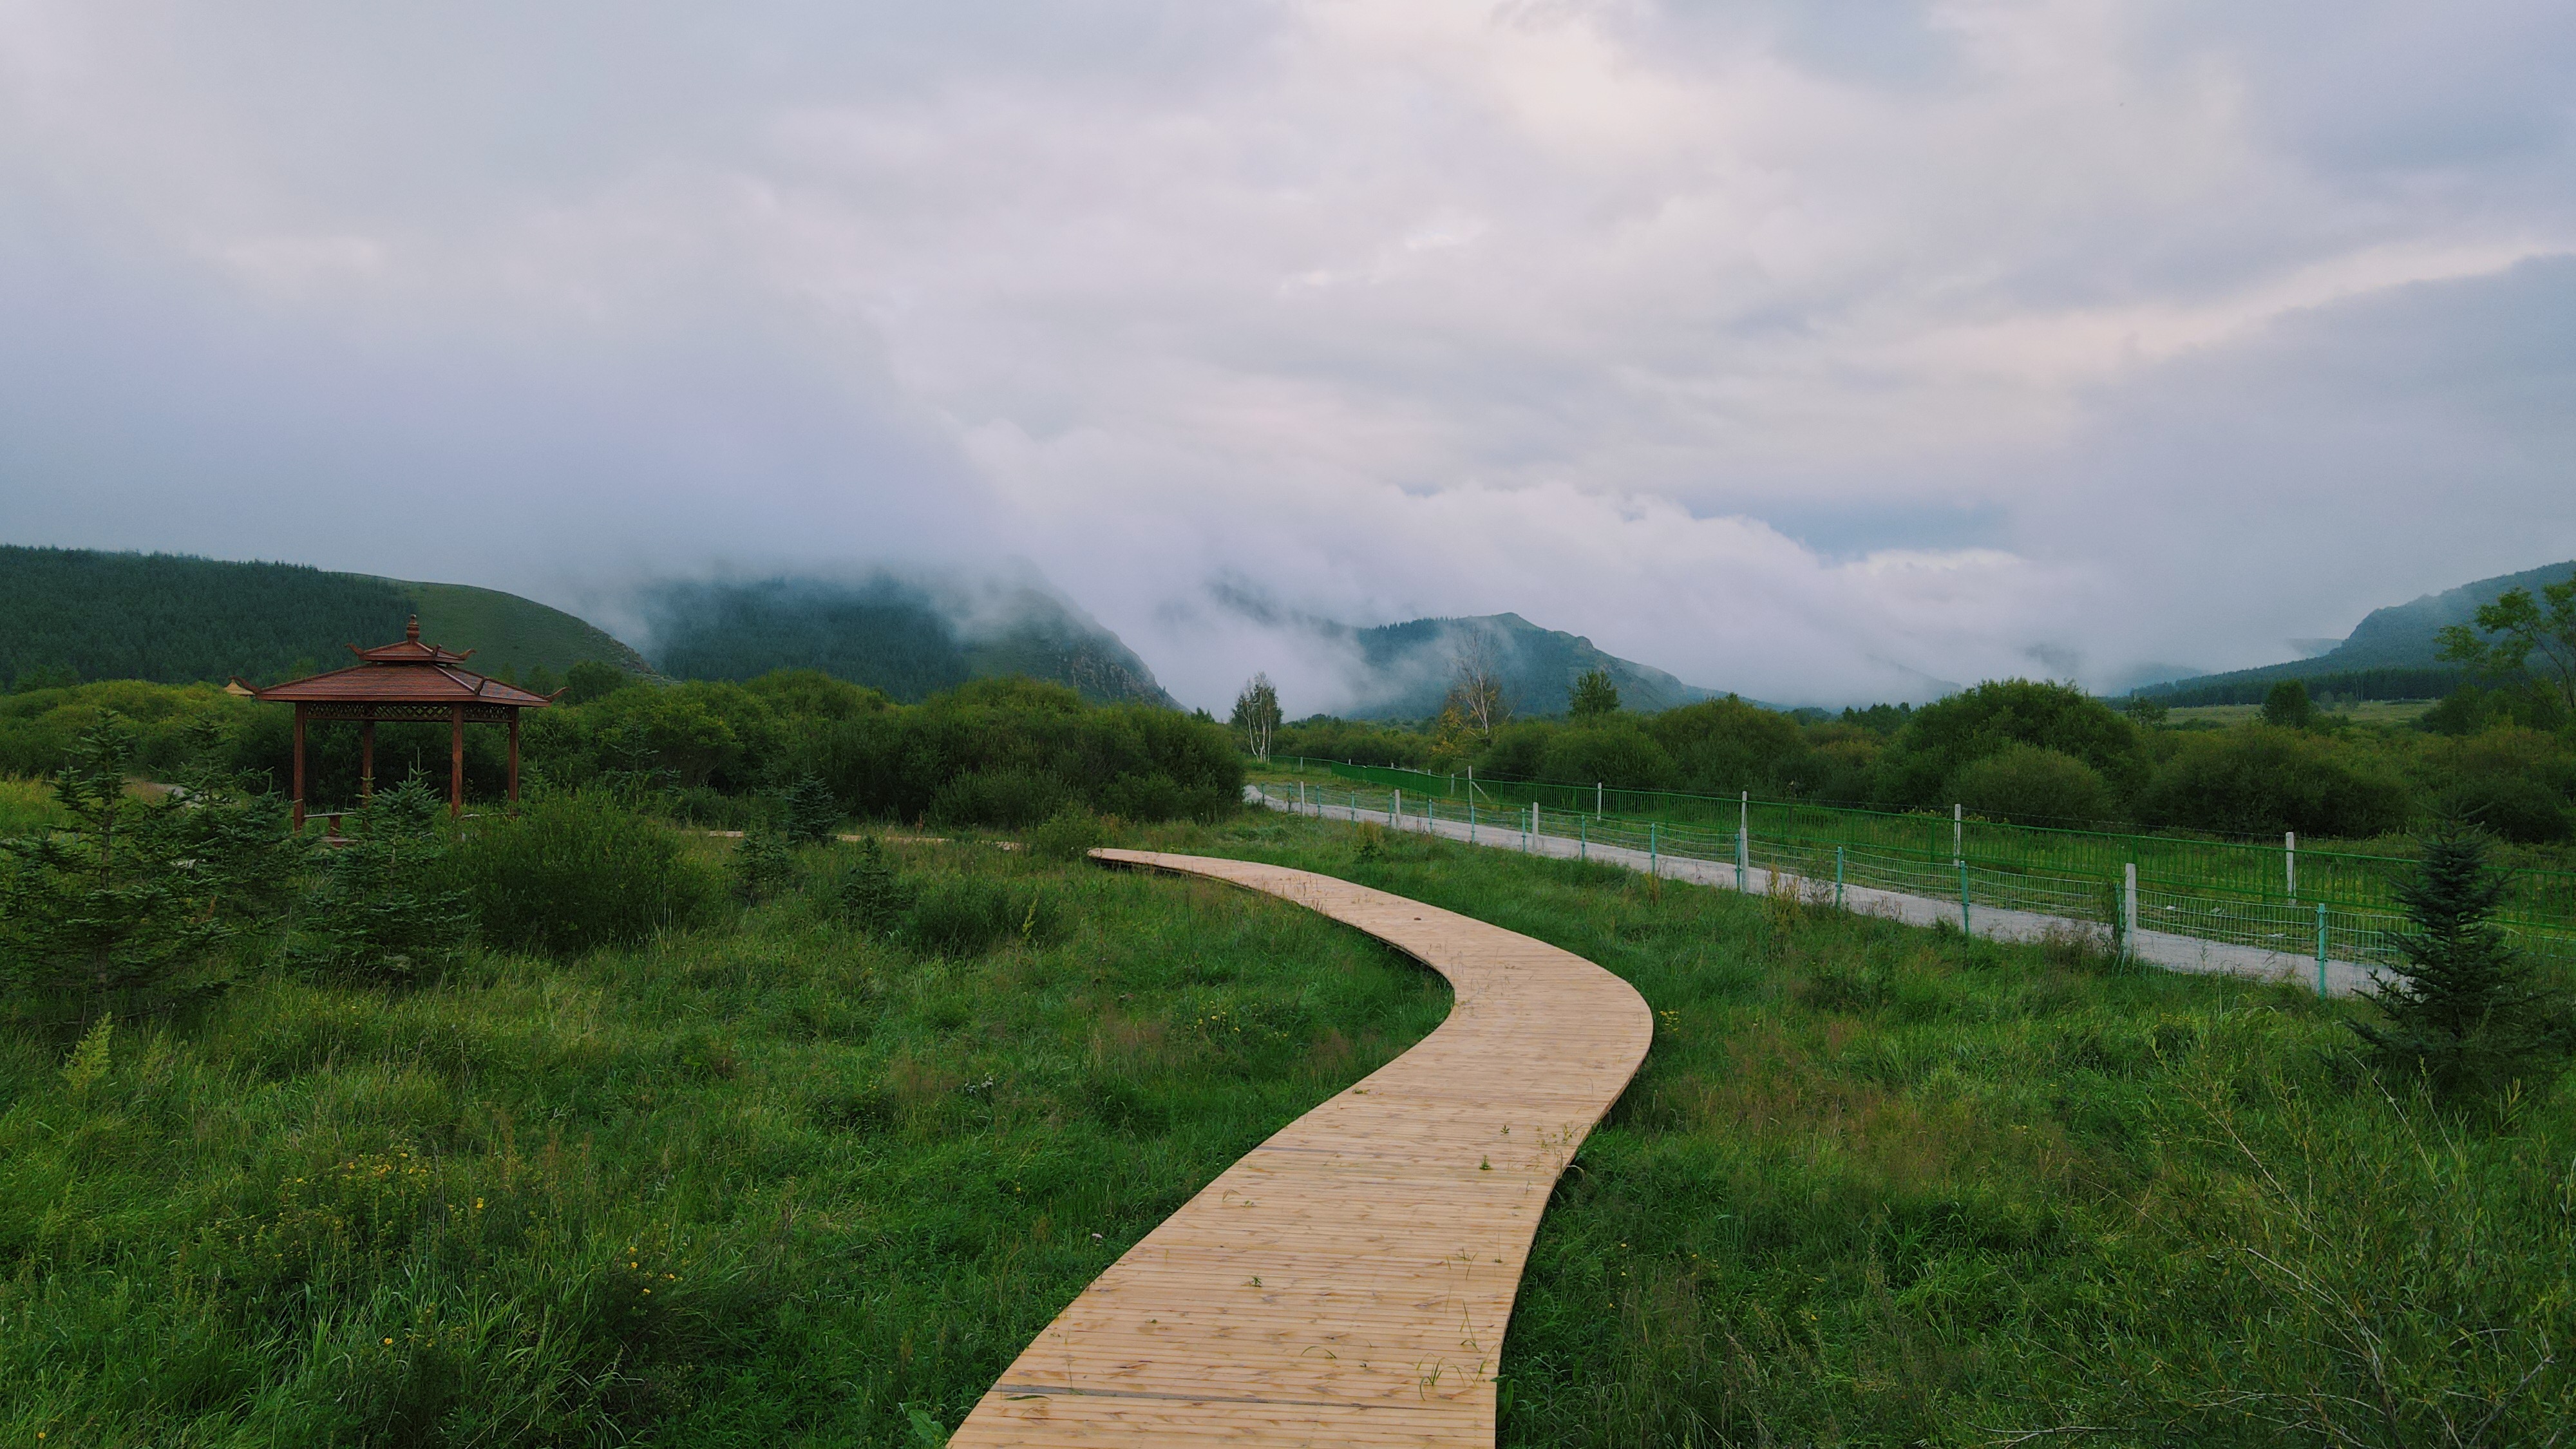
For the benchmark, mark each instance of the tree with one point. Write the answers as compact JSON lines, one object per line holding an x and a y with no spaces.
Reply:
{"x":105,"y":906}
{"x":2534,"y":637}
{"x":811,"y":814}
{"x":2287,"y":705}
{"x":1476,"y":684}
{"x":1593,"y":698}
{"x":384,"y":910}
{"x":1256,"y":714}
{"x":1939,"y":738}
{"x":2464,"y":1013}
{"x":2145,"y":709}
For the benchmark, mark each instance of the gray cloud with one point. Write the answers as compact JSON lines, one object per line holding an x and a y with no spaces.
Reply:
{"x":1814,"y":351}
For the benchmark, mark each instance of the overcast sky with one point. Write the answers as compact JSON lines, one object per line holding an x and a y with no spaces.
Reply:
{"x":1818,"y":349}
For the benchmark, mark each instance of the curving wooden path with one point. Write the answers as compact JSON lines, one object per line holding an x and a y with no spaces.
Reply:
{"x":1349,"y":1280}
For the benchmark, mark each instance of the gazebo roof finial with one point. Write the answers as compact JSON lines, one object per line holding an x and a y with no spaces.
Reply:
{"x":411,"y":631}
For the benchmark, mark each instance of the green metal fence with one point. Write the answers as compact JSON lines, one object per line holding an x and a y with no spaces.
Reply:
{"x":2341,"y":905}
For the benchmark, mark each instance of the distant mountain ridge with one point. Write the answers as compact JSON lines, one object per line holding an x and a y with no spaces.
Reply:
{"x":83,"y":614}
{"x":1408,"y":667}
{"x":2393,"y":652}
{"x":908,"y":636}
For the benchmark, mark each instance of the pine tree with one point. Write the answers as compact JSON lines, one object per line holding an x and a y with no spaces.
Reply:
{"x":872,"y":895}
{"x":812,"y":813}
{"x":764,"y":863}
{"x":383,"y":911}
{"x":2464,"y":1013}
{"x":106,"y":906}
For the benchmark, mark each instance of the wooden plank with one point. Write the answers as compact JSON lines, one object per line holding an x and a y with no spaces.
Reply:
{"x":1348,"y":1281}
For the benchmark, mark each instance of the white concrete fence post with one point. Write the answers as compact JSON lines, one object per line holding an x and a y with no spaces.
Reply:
{"x":2129,"y":909}
{"x":2290,"y":863}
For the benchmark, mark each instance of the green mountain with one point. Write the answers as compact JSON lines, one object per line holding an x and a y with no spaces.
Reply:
{"x":509,"y":634}
{"x":910,"y":637}
{"x":1406,"y":668}
{"x":79,"y":614}
{"x":2394,"y":653}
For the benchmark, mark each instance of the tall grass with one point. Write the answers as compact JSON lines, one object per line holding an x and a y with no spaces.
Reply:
{"x":1874,"y":1185}
{"x":1879,"y":1185}
{"x":28,"y":806}
{"x":768,"y":1181}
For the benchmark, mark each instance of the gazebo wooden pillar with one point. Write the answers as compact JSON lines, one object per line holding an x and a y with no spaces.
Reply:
{"x":409,"y":681}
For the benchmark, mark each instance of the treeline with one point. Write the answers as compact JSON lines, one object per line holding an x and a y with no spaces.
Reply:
{"x":1004,"y":752}
{"x":68,"y":615}
{"x":2353,"y":684}
{"x":2040,"y":754}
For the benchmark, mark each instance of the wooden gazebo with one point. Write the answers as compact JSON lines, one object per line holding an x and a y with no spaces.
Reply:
{"x":411,"y":682}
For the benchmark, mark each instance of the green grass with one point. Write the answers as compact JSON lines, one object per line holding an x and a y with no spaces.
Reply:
{"x":1873,"y":1185}
{"x":27,"y":806}
{"x":508,"y":632}
{"x":768,"y":1183}
{"x":1880,"y":1185}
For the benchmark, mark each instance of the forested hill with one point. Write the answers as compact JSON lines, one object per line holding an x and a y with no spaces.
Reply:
{"x":1408,"y":667}
{"x":2393,"y":653}
{"x":907,"y":637}
{"x":78,"y":614}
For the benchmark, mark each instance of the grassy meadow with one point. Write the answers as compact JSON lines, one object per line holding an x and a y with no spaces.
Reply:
{"x":767,"y":1182}
{"x":775,"y":1180}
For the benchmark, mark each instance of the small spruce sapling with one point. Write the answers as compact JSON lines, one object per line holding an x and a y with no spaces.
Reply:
{"x":2464,"y":1013}
{"x":812,"y":813}
{"x":104,"y":906}
{"x":764,"y":863}
{"x":873,"y":898}
{"x":383,"y":910}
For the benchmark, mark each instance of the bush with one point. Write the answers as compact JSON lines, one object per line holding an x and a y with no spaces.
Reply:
{"x":1069,"y":834}
{"x":2287,"y":705}
{"x":577,"y":870}
{"x":2028,"y":785}
{"x":1619,"y":755}
{"x":2514,"y":807}
{"x":966,"y":915}
{"x":1938,"y":739}
{"x":1012,"y":799}
{"x":2262,"y":779}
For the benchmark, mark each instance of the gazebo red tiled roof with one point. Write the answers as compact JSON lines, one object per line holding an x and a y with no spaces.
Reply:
{"x":409,"y":681}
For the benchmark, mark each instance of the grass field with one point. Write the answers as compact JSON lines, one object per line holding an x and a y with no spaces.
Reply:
{"x":2366,"y":711}
{"x":1873,"y":1186}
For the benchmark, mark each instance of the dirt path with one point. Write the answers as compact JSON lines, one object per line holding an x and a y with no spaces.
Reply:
{"x":1349,"y":1280}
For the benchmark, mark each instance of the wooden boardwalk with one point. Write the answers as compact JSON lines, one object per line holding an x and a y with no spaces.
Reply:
{"x":1349,"y":1280}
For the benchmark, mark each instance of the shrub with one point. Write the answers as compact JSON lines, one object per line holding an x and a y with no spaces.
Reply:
{"x":1619,"y":755}
{"x":2514,"y":807}
{"x":2029,"y":785}
{"x":1938,"y":739}
{"x":964,"y":915}
{"x":2260,"y":778}
{"x":2464,"y":1014}
{"x":1012,"y":799}
{"x":1069,"y":834}
{"x":577,"y":870}
{"x":2286,"y":704}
